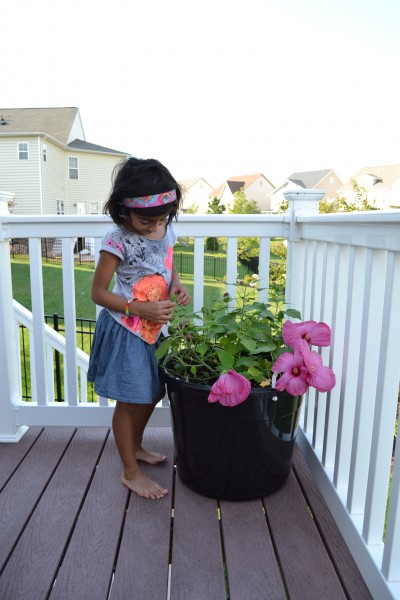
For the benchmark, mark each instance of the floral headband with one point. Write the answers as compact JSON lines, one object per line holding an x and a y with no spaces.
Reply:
{"x":150,"y":201}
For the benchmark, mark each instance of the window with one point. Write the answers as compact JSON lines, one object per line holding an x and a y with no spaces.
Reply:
{"x":94,"y":208}
{"x":23,"y":151}
{"x":60,"y":207}
{"x":73,"y":167}
{"x":44,"y":153}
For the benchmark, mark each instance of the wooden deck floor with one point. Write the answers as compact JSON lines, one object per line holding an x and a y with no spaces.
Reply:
{"x":69,"y":530}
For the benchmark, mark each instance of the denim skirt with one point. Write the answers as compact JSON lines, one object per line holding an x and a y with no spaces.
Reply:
{"x":122,"y":366}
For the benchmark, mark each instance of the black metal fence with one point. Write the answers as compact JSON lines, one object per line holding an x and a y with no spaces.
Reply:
{"x":84,"y":336}
{"x":214,"y":266}
{"x":52,"y":250}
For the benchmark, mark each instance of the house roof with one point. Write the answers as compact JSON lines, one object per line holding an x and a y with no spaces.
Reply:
{"x":82,"y":145}
{"x":56,"y":122}
{"x":382,"y":177}
{"x":187,"y":183}
{"x":236,"y":182}
{"x":308,"y":179}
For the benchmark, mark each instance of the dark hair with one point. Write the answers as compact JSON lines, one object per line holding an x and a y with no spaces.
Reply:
{"x":135,"y":177}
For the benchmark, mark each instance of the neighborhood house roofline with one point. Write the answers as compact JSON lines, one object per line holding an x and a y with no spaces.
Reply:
{"x":91,"y":148}
{"x":243,"y":180}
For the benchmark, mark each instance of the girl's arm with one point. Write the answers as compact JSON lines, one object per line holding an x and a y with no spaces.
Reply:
{"x":177,"y":288}
{"x":101,"y":295}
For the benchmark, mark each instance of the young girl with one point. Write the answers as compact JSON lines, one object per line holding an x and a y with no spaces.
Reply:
{"x":138,"y":251}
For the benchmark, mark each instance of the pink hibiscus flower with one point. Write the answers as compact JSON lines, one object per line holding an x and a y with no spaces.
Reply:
{"x":319,"y":376}
{"x":316,"y":334}
{"x":230,"y":389}
{"x":293,"y":377}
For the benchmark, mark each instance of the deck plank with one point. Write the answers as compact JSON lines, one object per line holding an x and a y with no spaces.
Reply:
{"x":305,"y":563}
{"x":87,"y":567}
{"x":35,"y":559}
{"x":338,"y":550}
{"x":142,"y":568}
{"x":12,"y":454}
{"x":22,"y":492}
{"x":253,"y":572}
{"x":197,"y":562}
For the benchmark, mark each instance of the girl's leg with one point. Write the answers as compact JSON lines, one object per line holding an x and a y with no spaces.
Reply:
{"x":141,"y":419}
{"x":124,"y":428}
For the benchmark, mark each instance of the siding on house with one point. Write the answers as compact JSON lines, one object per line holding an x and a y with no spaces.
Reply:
{"x":21,"y":177}
{"x":54,"y":181}
{"x":196,"y":193}
{"x":259,"y":191}
{"x":77,"y":130}
{"x":94,"y":182}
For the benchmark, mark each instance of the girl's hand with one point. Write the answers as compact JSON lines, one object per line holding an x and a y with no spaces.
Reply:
{"x":161,"y":312}
{"x":182,"y":295}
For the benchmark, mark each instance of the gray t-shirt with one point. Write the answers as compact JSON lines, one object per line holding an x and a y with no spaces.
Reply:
{"x":144,"y":274}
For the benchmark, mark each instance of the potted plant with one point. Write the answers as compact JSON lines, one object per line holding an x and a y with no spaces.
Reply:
{"x":235,"y":379}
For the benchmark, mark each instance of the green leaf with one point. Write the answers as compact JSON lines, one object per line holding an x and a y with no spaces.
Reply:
{"x":202,"y":348}
{"x":264,"y":348}
{"x":226,"y":359}
{"x":249,"y":344}
{"x":254,"y":372}
{"x":163,"y":348}
{"x":292,"y":312}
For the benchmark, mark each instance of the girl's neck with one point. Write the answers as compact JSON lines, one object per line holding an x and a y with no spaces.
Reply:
{"x":157,"y":235}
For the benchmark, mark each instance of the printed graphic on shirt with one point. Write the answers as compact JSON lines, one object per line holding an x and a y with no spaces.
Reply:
{"x":151,"y":288}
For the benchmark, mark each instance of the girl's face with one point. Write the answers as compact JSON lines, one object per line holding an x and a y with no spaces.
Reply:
{"x":151,"y":227}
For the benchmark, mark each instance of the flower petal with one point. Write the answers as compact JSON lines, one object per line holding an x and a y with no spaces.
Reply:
{"x":230,"y":389}
{"x":320,"y":335}
{"x":297,"y":386}
{"x":284,"y":362}
{"x":322,"y":378}
{"x":317,"y":334}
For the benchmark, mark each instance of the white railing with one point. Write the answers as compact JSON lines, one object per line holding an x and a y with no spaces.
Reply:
{"x":342,"y":269}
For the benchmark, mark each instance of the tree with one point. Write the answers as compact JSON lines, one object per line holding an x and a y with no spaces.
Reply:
{"x":341,"y":204}
{"x":214,"y":208}
{"x":248,"y":248}
{"x":193,"y":208}
{"x":242,"y":206}
{"x":360,"y":202}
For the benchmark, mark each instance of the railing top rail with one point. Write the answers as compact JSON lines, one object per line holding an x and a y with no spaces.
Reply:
{"x":372,"y":216}
{"x":192,"y":218}
{"x":30,"y":226}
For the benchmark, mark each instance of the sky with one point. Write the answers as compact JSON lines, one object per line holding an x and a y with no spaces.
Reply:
{"x":216,"y":88}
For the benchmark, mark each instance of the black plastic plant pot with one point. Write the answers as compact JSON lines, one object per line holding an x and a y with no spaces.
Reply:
{"x":232,"y":453}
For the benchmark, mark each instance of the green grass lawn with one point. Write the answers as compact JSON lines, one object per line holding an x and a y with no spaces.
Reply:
{"x":85,"y":309}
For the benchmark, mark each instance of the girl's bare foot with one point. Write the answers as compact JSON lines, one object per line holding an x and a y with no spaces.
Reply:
{"x":143,"y":486}
{"x":152,"y":458}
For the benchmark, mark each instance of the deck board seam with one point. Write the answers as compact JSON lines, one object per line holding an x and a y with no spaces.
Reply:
{"x":271,"y":533}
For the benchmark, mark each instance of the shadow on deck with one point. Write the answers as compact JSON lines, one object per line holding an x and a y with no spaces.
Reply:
{"x":69,"y":530}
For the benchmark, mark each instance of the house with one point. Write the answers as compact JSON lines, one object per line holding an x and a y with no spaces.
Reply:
{"x":196,"y":195}
{"x":381,"y":184}
{"x":325,"y":179}
{"x":47,"y":163}
{"x":256,"y":187}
